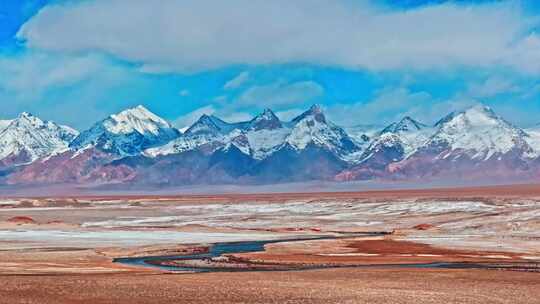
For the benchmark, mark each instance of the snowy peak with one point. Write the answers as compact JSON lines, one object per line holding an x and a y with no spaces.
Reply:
{"x":479,"y":132}
{"x":28,"y":138}
{"x":137,"y":119}
{"x":314,"y":113}
{"x":311,"y":127}
{"x":479,"y":115}
{"x":209,"y":125}
{"x":26,"y":119}
{"x":266,"y":120}
{"x":407,"y":124}
{"x":127,"y":133}
{"x":398,"y":140}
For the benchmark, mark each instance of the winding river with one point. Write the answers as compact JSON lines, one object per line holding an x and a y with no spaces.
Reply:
{"x":219,"y":249}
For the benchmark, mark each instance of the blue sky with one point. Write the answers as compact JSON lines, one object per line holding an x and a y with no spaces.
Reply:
{"x":77,"y":61}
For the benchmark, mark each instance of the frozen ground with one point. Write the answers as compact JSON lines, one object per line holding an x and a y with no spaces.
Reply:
{"x":86,"y":239}
{"x":505,"y":224}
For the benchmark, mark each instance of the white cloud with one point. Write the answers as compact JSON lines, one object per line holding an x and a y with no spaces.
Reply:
{"x":205,"y":34}
{"x":184,"y":93}
{"x":280,"y":93}
{"x":237,"y":81}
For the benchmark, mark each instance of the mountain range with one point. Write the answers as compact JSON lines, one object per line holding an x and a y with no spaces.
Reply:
{"x":136,"y":147}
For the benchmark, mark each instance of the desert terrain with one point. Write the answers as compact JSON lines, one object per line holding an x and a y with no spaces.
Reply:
{"x":461,"y":245}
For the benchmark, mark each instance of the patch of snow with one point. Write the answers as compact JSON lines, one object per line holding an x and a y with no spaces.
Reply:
{"x":534,"y":140}
{"x":264,"y":142}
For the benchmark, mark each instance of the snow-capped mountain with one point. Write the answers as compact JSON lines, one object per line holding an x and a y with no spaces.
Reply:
{"x":471,"y":144}
{"x":408,"y":134}
{"x":127,"y":133}
{"x":392,"y":144}
{"x":263,"y":135}
{"x":136,"y":147}
{"x":28,"y":138}
{"x":311,"y":127}
{"x":479,"y":133}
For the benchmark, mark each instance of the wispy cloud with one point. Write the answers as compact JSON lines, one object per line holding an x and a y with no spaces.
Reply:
{"x":31,"y":73}
{"x":237,"y":81}
{"x":280,"y":93}
{"x":492,"y":86}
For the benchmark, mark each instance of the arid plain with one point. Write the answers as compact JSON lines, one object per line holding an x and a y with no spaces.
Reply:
{"x":466,"y":245}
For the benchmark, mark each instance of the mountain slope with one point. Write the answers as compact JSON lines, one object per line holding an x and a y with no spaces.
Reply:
{"x":533,"y":139}
{"x":4,"y":124}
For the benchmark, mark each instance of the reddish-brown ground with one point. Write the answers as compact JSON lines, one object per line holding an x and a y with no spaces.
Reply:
{"x":320,"y":286}
{"x":86,"y":274}
{"x":370,"y":252}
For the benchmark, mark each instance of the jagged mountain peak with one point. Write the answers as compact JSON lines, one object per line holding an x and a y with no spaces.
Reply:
{"x":315,"y":108}
{"x":266,"y":120}
{"x":315,"y":112}
{"x":267,"y":113}
{"x":26,"y":115}
{"x":209,"y":125}
{"x":28,"y":118}
{"x":312,"y":128}
{"x":406,"y":124}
